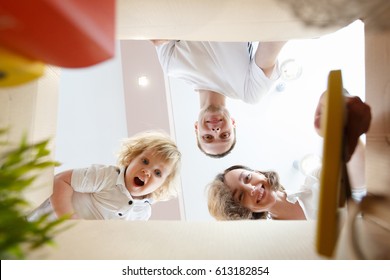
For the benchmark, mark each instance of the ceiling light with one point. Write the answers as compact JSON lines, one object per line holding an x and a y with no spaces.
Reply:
{"x":143,"y":81}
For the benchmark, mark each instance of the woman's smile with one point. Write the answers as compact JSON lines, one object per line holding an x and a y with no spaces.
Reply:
{"x":251,"y":189}
{"x":259,"y":193}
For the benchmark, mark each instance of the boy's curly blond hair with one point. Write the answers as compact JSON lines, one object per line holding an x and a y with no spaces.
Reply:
{"x":158,"y":144}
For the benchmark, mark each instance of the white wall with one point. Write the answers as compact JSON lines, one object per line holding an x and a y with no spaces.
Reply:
{"x":91,"y":115}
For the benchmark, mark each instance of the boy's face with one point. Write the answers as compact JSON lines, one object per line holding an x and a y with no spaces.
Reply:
{"x":145,"y":174}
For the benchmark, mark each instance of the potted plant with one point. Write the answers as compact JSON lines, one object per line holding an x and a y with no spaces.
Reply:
{"x":19,"y":168}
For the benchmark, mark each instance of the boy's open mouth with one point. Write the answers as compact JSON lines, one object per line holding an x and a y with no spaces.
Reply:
{"x":138,"y":182}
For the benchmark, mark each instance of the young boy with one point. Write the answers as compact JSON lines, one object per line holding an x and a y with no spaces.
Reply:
{"x":148,"y":165}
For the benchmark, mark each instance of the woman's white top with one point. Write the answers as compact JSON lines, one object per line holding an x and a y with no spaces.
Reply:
{"x":308,"y":194}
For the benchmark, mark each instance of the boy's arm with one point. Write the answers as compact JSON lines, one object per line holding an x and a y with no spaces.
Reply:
{"x":356,"y":168}
{"x":358,"y":121}
{"x":61,"y":198}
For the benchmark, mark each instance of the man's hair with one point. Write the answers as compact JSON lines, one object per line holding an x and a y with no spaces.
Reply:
{"x":158,"y":144}
{"x":221,"y":203}
{"x":221,"y":155}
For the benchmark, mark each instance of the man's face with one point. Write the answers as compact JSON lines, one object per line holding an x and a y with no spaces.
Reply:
{"x":215,"y":130}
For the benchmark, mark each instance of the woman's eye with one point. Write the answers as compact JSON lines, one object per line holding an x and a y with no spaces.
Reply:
{"x":145,"y":161}
{"x":208,"y":137}
{"x":158,"y":173}
{"x":248,"y":178}
{"x":241,"y":196}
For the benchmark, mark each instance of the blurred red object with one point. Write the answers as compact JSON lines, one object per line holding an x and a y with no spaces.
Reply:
{"x":65,"y":33}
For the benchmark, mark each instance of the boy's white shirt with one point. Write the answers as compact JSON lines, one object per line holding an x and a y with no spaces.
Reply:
{"x":100,"y":193}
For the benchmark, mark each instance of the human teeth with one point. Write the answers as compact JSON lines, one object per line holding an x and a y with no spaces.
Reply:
{"x":138,"y":181}
{"x":261,"y":193}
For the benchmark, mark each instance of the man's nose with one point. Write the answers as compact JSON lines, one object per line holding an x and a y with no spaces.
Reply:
{"x":215,"y":129}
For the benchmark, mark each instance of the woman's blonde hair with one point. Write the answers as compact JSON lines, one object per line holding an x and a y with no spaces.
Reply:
{"x":158,"y":144}
{"x":221,"y":203}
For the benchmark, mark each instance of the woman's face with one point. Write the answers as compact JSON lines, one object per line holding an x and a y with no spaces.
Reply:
{"x":251,"y":189}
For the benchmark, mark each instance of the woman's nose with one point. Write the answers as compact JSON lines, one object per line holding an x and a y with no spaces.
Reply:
{"x":215,"y":129}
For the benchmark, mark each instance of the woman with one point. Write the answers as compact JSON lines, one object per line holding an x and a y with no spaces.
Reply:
{"x":242,"y":193}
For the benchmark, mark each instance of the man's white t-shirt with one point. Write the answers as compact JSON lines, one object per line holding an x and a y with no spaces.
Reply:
{"x":223,"y":67}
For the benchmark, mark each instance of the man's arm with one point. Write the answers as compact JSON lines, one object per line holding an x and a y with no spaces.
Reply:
{"x":61,"y":198}
{"x":267,"y":55}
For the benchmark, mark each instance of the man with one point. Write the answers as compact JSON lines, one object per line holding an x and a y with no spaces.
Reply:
{"x":217,"y":70}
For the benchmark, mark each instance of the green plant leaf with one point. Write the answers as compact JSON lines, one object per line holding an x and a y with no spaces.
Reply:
{"x":19,"y":169}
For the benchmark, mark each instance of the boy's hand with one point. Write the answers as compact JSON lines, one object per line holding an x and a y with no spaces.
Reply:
{"x":357,"y":123}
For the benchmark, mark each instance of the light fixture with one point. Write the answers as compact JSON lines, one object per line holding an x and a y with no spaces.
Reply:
{"x":290,"y":70}
{"x":143,"y":81}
